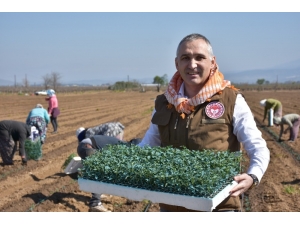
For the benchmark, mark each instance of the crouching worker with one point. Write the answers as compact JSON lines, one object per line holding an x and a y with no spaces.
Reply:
{"x":12,"y":132}
{"x":39,"y":118}
{"x":93,"y":139}
{"x":112,"y":129}
{"x":293,"y":122}
{"x":89,"y":146}
{"x":271,"y":104}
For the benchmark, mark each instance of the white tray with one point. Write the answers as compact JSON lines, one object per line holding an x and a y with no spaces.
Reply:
{"x":73,"y":166}
{"x":136,"y":194}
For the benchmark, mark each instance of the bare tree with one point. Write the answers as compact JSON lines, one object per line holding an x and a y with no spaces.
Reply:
{"x":55,"y":77}
{"x":25,"y":82}
{"x":47,"y":81}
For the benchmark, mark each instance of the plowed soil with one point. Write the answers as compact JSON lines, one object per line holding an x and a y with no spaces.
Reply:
{"x":42,"y":186}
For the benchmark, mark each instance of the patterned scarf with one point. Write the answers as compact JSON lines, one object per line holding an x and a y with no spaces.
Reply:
{"x":215,"y":84}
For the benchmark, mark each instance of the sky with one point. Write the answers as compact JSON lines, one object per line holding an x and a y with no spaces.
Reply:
{"x":88,"y":43}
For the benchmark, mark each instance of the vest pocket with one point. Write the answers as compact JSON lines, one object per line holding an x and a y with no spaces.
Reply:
{"x":162,"y":120}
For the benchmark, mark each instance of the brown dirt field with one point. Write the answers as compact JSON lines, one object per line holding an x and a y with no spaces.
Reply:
{"x":42,"y":186}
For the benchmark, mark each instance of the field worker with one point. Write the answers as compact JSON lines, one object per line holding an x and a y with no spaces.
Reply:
{"x":89,"y":146}
{"x":271,"y":103}
{"x":53,"y":109}
{"x":293,"y":122}
{"x":39,"y":118}
{"x":93,"y":139}
{"x":112,"y":129}
{"x":12,"y":132}
{"x":201,"y":110}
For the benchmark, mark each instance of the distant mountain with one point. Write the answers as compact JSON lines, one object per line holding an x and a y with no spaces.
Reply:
{"x":101,"y":82}
{"x":84,"y":82}
{"x":287,"y":72}
{"x":6,"y":82}
{"x":292,"y":65}
{"x":282,"y":75}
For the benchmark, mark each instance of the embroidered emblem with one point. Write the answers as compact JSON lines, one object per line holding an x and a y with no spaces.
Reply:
{"x":214,"y":110}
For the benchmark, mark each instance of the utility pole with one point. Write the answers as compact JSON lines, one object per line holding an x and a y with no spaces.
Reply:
{"x":15,"y":81}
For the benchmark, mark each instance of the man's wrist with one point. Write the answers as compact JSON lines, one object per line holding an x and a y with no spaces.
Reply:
{"x":255,"y":181}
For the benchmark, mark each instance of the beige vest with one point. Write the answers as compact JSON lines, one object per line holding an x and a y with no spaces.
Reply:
{"x":198,"y":131}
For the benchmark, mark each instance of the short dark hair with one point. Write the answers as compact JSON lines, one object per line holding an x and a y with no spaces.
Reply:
{"x":196,"y":36}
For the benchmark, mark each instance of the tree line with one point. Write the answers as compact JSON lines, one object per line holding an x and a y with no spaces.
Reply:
{"x":51,"y":80}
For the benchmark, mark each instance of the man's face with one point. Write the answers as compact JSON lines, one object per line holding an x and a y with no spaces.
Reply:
{"x":194,"y":63}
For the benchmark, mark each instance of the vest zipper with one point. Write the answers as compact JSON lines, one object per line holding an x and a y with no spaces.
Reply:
{"x":188,"y":120}
{"x":187,"y":126}
{"x":176,"y":123}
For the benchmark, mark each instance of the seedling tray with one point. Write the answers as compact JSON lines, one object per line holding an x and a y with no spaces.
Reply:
{"x":137,"y":194}
{"x":74,"y":165}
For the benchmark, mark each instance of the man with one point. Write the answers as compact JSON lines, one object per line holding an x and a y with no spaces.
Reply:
{"x":12,"y":132}
{"x":271,"y":104}
{"x":201,"y":110}
{"x":293,"y":122}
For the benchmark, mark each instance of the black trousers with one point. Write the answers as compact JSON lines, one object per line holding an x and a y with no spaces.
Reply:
{"x":54,"y":122}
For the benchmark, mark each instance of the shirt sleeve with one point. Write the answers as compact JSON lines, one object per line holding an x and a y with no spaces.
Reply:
{"x":250,"y":137}
{"x":50,"y":108}
{"x":152,"y":137}
{"x":46,"y":116}
{"x":22,"y":144}
{"x":281,"y":131}
{"x":287,"y":121}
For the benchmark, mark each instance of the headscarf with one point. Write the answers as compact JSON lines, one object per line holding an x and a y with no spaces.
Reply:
{"x":112,"y":129}
{"x":263,"y":102}
{"x":277,"y":120}
{"x":80,"y":133}
{"x":50,"y":92}
{"x":39,"y":106}
{"x":214,"y":84}
{"x":87,"y":141}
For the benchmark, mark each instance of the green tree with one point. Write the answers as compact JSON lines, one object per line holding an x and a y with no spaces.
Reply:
{"x":158,"y":80}
{"x":260,"y":81}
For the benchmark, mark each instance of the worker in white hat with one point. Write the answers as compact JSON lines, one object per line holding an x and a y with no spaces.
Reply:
{"x":273,"y":104}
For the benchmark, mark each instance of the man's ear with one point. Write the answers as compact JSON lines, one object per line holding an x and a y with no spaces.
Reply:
{"x":176,"y":63}
{"x":213,"y":62}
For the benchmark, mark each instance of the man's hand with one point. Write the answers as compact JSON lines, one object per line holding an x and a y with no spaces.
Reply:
{"x":244,"y":183}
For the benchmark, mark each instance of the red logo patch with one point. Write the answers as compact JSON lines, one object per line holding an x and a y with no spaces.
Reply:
{"x":214,"y":110}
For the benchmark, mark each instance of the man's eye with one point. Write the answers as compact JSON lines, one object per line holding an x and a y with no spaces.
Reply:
{"x":199,"y":58}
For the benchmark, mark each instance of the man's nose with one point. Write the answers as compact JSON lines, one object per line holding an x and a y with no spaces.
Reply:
{"x":192,"y":64}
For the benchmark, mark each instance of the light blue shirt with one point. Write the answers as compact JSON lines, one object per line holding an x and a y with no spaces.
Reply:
{"x":41,"y":112}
